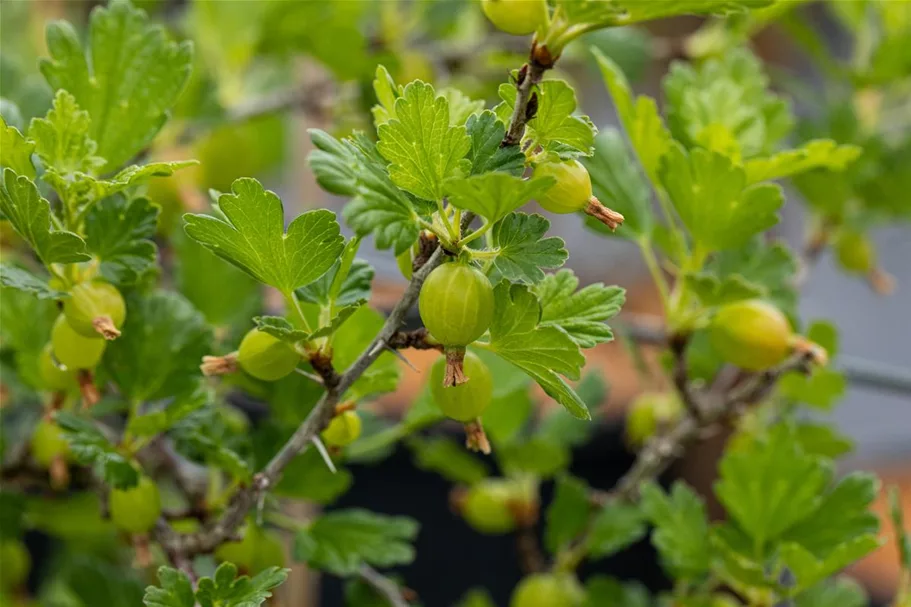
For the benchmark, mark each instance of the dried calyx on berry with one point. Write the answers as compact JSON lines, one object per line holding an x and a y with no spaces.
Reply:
{"x":95,"y":309}
{"x":572,"y":192}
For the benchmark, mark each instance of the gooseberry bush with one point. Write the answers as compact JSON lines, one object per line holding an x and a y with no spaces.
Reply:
{"x":138,"y":248}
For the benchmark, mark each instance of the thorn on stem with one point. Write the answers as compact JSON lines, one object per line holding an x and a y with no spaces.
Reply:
{"x":402,"y":358}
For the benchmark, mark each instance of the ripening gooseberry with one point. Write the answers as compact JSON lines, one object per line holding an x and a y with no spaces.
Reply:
{"x":95,"y":309}
{"x":573,"y":192}
{"x":456,"y":305}
{"x":343,"y":430}
{"x":855,"y":252}
{"x":516,"y":17}
{"x":257,"y":550}
{"x":135,"y":510}
{"x":751,"y":334}
{"x":487,"y":506}
{"x":74,"y":350}
{"x":15,"y":563}
{"x":650,"y":412}
{"x":548,"y":590}
{"x":466,"y":401}
{"x":266,"y":357}
{"x":48,"y":443}
{"x":54,"y":376}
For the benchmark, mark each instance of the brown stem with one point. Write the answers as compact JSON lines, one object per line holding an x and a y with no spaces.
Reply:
{"x":454,"y":375}
{"x":419,"y":339}
{"x":530,"y":76}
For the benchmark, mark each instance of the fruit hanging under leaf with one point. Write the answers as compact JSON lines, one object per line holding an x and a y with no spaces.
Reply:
{"x":548,"y":590}
{"x":73,"y":350}
{"x":15,"y":563}
{"x":516,"y":17}
{"x":456,"y":305}
{"x":649,"y":413}
{"x":95,"y":309}
{"x":48,"y":443}
{"x":266,"y":357}
{"x":855,"y":252}
{"x":135,"y":510}
{"x":573,"y":192}
{"x":257,"y":550}
{"x":751,"y":334}
{"x":344,"y":429}
{"x":465,"y":401}
{"x":488,"y":506}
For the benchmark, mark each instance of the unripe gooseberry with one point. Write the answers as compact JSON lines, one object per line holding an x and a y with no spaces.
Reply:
{"x":54,"y":376}
{"x":752,"y":334}
{"x":516,"y":17}
{"x":73,"y":350}
{"x":456,"y":304}
{"x":136,"y":509}
{"x":468,"y":400}
{"x":343,"y":430}
{"x":266,"y":357}
{"x":855,"y":252}
{"x":650,"y":412}
{"x":257,"y":550}
{"x":95,"y":309}
{"x":48,"y":443}
{"x":572,"y":192}
{"x":548,"y":590}
{"x":15,"y":563}
{"x":487,"y":506}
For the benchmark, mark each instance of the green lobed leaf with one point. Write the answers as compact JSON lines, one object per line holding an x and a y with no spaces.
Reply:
{"x":602,"y":591}
{"x":567,"y":514}
{"x":448,"y":459}
{"x":823,"y":440}
{"x":681,"y":533}
{"x":724,"y":105}
{"x":523,"y":252}
{"x":120,"y":233}
{"x":91,"y":447}
{"x":21,"y":279}
{"x":16,"y":151}
{"x":507,"y":414}
{"x":353,"y":289}
{"x":822,"y":389}
{"x":819,"y":153}
{"x":62,"y":138}
{"x":225,"y":589}
{"x":808,"y":570}
{"x":771,"y":485}
{"x":342,"y":541}
{"x":758,"y":268}
{"x":495,"y":195}
{"x":175,"y":591}
{"x":253,"y":237}
{"x":560,"y":427}
{"x":128,"y":76}
{"x":736,"y":563}
{"x":713,"y":200}
{"x":84,"y":188}
{"x":157,"y":356}
{"x":536,"y":456}
{"x":353,"y":167}
{"x":840,"y":592}
{"x":30,"y":215}
{"x":843,"y":515}
{"x":461,"y":106}
{"x":554,"y":127}
{"x":202,"y":435}
{"x":543,"y":352}
{"x":581,"y":314}
{"x":639,"y":116}
{"x":619,"y":185}
{"x":486,"y":154}
{"x":422,"y":148}
{"x":616,"y":526}
{"x":162,"y":419}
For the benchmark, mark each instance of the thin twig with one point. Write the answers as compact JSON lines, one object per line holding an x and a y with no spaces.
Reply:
{"x":383,"y":585}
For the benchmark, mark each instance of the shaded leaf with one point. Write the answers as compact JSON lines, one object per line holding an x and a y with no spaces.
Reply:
{"x":581,"y":314}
